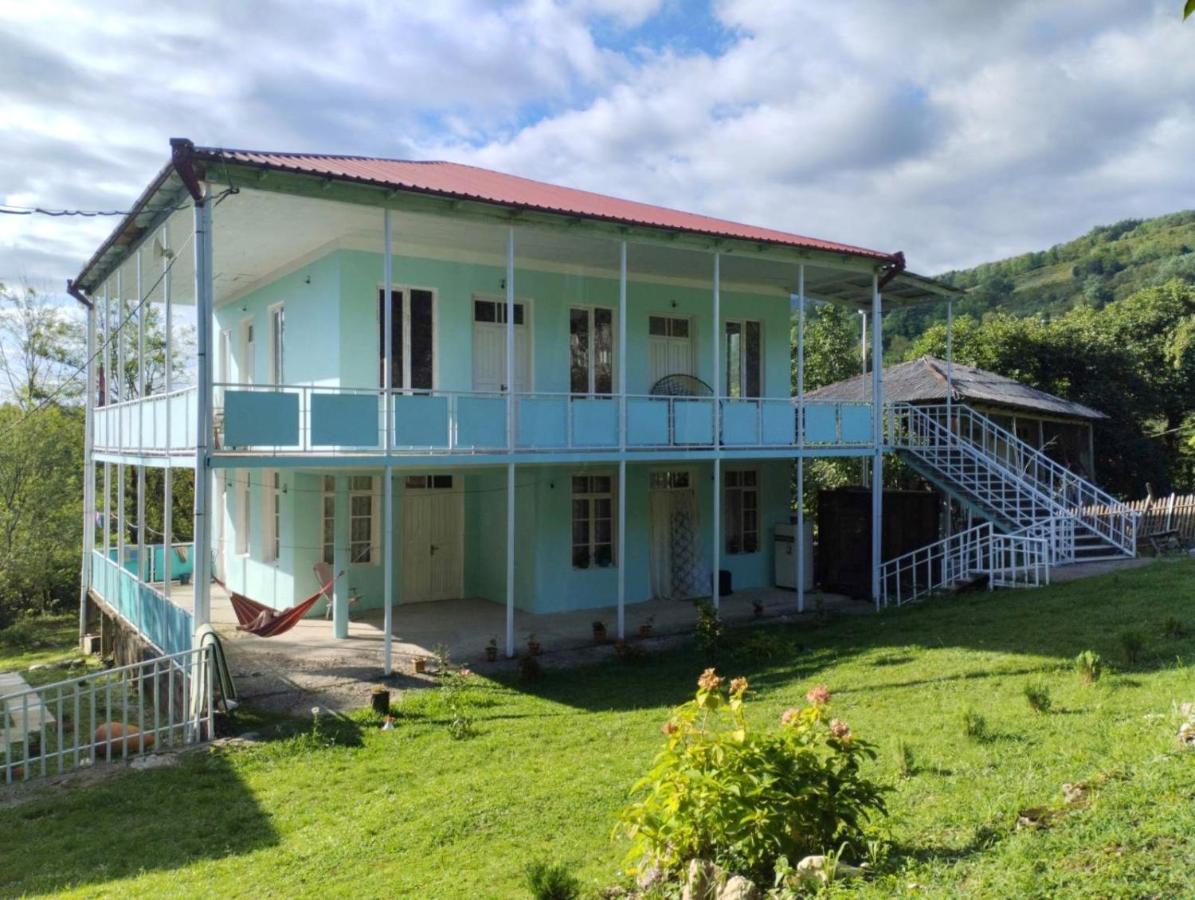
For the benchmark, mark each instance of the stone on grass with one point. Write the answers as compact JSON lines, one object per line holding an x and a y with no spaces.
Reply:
{"x":703,"y":881}
{"x":739,"y":888}
{"x":820,"y":869}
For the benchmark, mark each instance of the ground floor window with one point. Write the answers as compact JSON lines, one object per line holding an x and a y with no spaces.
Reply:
{"x":241,"y":523}
{"x":671,"y":480}
{"x":273,"y":517}
{"x":593,"y":521}
{"x":742,"y":511}
{"x":363,"y":509}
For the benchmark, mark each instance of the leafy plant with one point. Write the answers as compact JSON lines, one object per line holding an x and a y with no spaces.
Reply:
{"x":906,"y":763}
{"x":529,"y":668}
{"x":749,"y":798}
{"x":1037,"y":693}
{"x":975,"y":726}
{"x":454,"y":686}
{"x":552,"y":881}
{"x":1089,"y":666}
{"x":709,"y":629}
{"x":1173,"y":627}
{"x":1131,"y":645}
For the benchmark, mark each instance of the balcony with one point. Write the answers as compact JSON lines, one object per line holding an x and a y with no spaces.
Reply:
{"x":151,"y":426}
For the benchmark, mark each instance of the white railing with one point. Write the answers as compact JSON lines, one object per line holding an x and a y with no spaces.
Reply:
{"x":117,"y":713}
{"x":982,"y":455}
{"x":273,"y":419}
{"x":1019,"y":559}
{"x":140,"y":426}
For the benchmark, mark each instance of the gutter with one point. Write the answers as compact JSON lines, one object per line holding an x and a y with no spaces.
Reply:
{"x":76,"y":292}
{"x":182,"y":158}
{"x":895,"y":267}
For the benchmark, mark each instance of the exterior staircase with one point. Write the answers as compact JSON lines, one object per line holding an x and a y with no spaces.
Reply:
{"x":1036,"y":513}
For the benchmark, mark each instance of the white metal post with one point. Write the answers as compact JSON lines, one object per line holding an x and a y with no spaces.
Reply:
{"x":201,"y":576}
{"x":510,"y":338}
{"x":121,"y":530}
{"x":949,"y":396}
{"x":142,"y":568}
{"x":387,"y":444}
{"x":716,"y":329}
{"x":168,"y":383}
{"x":800,"y":537}
{"x":88,"y":474}
{"x":107,"y":369}
{"x":340,"y":558}
{"x":510,"y":559}
{"x":877,"y":466}
{"x":863,"y":370}
{"x":622,"y":439}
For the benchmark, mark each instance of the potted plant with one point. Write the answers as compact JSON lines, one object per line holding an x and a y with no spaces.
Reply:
{"x":533,"y":645}
{"x":757,"y":608}
{"x":599,"y":632}
{"x":646,"y":628}
{"x":419,"y":665}
{"x":491,"y":650}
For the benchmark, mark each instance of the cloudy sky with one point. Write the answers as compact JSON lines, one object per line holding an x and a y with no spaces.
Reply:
{"x":956,"y":130}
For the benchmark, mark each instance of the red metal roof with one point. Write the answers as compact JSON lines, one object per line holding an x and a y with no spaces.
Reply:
{"x":472,"y":183}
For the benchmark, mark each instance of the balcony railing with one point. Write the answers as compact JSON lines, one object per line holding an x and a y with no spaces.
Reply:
{"x":144,"y":606}
{"x":140,"y":426}
{"x":345,"y":421}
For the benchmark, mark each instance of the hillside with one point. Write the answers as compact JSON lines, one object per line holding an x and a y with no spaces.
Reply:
{"x":1107,"y":263}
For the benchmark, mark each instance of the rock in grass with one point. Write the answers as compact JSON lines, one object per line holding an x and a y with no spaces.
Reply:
{"x":823,"y":869}
{"x":739,"y":888}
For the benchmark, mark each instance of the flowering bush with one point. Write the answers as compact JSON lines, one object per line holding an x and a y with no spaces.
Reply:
{"x":720,"y":790}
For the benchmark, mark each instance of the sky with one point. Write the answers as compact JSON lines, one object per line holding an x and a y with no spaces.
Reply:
{"x":957,"y":131}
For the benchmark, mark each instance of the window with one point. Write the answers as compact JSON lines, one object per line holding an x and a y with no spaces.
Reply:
{"x":277,"y":331}
{"x":411,"y":337}
{"x":742,"y":511}
{"x":363,"y":508}
{"x":429,"y":482}
{"x":241,"y":522}
{"x":743,"y":356}
{"x":494,"y":312}
{"x":667,"y":326}
{"x":273,"y":517}
{"x":593,"y":521}
{"x":671,"y":480}
{"x":591,"y":350}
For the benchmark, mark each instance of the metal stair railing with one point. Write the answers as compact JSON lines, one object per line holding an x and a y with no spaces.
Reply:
{"x":1069,"y":492}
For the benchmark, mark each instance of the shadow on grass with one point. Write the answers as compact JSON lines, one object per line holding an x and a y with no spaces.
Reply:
{"x":159,"y":819}
{"x":1051,"y":624}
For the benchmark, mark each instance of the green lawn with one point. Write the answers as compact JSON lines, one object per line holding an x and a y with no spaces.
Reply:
{"x":412,"y":812}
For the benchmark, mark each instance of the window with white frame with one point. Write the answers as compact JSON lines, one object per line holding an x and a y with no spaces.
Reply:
{"x":277,"y":334}
{"x":742,"y":511}
{"x":744,"y":357}
{"x":363,"y":511}
{"x":671,"y":480}
{"x":593,"y":521}
{"x":241,"y":513}
{"x":591,"y":350}
{"x":273,"y":515}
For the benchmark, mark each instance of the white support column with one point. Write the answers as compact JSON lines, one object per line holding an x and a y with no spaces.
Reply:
{"x":121,"y":395}
{"x":142,"y":567}
{"x":863,"y":369}
{"x":107,"y":368}
{"x":716,"y":329}
{"x":168,"y":384}
{"x":89,"y":504}
{"x":949,"y":395}
{"x":340,"y":558}
{"x":877,"y":465}
{"x":387,"y":445}
{"x":203,"y":408}
{"x":716,"y":587}
{"x":510,"y":338}
{"x":510,"y":559}
{"x":622,"y":439}
{"x":799,"y":547}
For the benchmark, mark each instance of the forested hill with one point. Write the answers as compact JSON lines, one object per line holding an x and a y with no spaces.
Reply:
{"x":1107,"y":263}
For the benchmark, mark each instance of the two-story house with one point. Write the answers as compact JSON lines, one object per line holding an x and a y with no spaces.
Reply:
{"x":449,"y":382}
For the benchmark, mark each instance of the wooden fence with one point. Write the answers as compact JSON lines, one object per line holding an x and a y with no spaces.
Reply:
{"x":1173,"y":513}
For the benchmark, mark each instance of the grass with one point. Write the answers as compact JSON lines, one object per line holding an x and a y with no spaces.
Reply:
{"x":357,"y":811}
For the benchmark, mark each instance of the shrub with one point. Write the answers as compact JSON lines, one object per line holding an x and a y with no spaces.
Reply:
{"x":1089,"y":666}
{"x":709,"y":629}
{"x":1131,"y":645}
{"x":744,"y":798}
{"x":906,"y":763}
{"x":552,"y":881}
{"x":1173,"y":627}
{"x":1038,"y":695}
{"x":975,"y":726}
{"x":529,"y":668}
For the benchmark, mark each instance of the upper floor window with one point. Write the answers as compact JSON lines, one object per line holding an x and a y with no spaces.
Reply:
{"x":412,"y":338}
{"x":742,"y":511}
{"x":591,"y":350}
{"x":743,"y":359}
{"x":593,"y":521}
{"x":277,"y":331}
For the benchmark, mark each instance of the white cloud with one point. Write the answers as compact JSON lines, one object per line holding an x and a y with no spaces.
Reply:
{"x":958,"y":132}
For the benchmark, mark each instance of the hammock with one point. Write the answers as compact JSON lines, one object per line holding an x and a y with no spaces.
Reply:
{"x":249,"y":613}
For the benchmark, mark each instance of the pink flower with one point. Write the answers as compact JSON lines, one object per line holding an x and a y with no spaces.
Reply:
{"x":465,"y":672}
{"x":818,"y":695}
{"x":669,"y":727}
{"x":840,"y":730}
{"x":790,"y":715}
{"x":709,"y":680}
{"x":738,"y":686}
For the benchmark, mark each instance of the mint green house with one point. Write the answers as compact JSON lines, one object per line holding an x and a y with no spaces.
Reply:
{"x":446,"y":382}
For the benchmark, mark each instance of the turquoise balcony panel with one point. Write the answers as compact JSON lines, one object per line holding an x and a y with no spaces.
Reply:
{"x":481,"y":423}
{"x":647,"y":422}
{"x":165,"y":625}
{"x":595,"y":423}
{"x":543,"y":422}
{"x":261,"y":419}
{"x":345,"y":420}
{"x":420,"y":420}
{"x":693,"y":421}
{"x":740,"y":422}
{"x":856,"y":423}
{"x":779,"y":423}
{"x":821,"y":425}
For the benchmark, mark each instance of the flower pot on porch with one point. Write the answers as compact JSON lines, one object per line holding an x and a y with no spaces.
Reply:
{"x":418,"y":665}
{"x":599,"y":632}
{"x":491,"y":652}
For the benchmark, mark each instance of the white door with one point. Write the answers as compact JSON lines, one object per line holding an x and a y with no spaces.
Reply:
{"x":670,"y":346}
{"x":433,"y":531}
{"x":489,"y":347}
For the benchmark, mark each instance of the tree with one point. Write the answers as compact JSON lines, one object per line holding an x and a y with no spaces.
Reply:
{"x":41,"y":346}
